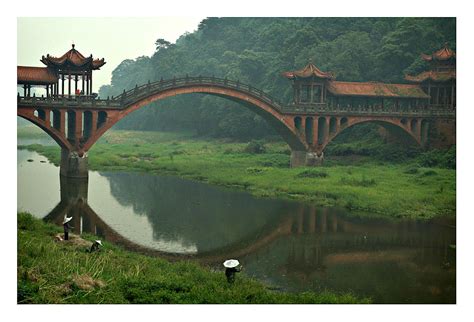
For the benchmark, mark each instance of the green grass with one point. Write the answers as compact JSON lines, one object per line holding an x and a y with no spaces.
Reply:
{"x":63,"y":272}
{"x":371,"y":187}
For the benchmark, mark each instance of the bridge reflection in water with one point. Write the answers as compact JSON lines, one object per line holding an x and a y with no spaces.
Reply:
{"x":302,"y":247}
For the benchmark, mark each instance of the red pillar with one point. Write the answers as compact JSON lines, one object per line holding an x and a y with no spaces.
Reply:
{"x":78,"y":129}
{"x":47,"y":113}
{"x":94,"y":123}
{"x":315,"y":130}
{"x":62,"y":122}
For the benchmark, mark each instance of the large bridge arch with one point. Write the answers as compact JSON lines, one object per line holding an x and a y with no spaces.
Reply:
{"x":282,"y":123}
{"x":409,"y":130}
{"x":51,"y":131}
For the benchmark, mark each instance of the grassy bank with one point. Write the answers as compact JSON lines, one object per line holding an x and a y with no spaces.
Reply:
{"x":63,"y":272}
{"x":359,"y":184}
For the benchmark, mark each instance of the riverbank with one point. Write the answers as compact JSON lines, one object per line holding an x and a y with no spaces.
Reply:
{"x":362,"y":185}
{"x":52,"y":271}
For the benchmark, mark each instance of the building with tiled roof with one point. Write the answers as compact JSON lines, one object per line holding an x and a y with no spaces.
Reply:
{"x":433,"y":87}
{"x":67,"y":75}
{"x":439,"y":82}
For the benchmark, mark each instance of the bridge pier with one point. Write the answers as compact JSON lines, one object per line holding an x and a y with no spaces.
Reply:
{"x":72,"y":165}
{"x":306,"y":159}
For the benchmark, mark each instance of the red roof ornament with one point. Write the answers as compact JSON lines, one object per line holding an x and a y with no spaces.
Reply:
{"x":308,"y":71}
{"x":444,"y":53}
{"x":74,"y":59}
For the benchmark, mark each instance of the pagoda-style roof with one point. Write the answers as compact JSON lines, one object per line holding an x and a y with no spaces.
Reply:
{"x":35,"y":75}
{"x":437,"y":76}
{"x":73,"y":59}
{"x":444,"y":53}
{"x":375,"y":89}
{"x":308,"y":71}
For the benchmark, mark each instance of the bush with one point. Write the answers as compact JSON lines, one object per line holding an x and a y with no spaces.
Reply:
{"x":255,"y":147}
{"x":438,"y":158}
{"x":411,"y":170}
{"x":311,"y":174}
{"x":359,"y":182}
{"x":429,"y":173}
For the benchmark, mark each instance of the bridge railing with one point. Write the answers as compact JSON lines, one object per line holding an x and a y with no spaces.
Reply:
{"x":72,"y":102}
{"x":380,"y":111}
{"x":139,"y":92}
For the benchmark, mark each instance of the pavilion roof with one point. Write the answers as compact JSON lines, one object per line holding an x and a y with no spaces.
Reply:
{"x":35,"y":75}
{"x":375,"y":89}
{"x":73,"y":58}
{"x":308,"y":71}
{"x":437,"y":76}
{"x":444,"y":53}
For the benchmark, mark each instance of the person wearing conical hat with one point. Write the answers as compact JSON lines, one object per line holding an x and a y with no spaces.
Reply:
{"x":231,"y":267}
{"x":95,"y":246}
{"x":66,"y":226}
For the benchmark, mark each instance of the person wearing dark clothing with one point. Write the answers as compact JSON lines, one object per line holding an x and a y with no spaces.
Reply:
{"x":230,"y":274}
{"x":231,"y":267}
{"x":95,"y":246}
{"x":66,"y":227}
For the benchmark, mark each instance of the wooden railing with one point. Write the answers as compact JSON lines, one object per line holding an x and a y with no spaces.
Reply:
{"x":140,"y":92}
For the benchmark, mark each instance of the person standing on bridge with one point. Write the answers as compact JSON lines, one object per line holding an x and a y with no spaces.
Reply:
{"x":231,"y":267}
{"x":66,"y":226}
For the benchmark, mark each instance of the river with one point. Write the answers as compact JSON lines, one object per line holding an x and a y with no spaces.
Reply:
{"x":287,"y":245}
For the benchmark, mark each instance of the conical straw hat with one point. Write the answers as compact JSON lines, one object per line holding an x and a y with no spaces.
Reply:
{"x":231,"y":263}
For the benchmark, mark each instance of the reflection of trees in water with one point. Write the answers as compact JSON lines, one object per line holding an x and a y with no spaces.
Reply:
{"x":196,"y":213}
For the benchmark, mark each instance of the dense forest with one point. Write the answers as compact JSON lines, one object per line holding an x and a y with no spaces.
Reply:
{"x":258,"y":50}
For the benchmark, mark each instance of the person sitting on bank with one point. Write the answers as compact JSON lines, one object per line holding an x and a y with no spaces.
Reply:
{"x":231,"y":267}
{"x":66,"y":226}
{"x":96,"y":246}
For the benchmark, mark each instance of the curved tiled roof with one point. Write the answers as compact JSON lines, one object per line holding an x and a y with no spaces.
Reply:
{"x":437,"y":76}
{"x":444,"y":53}
{"x":308,"y":71}
{"x":374,"y":89}
{"x":73,"y":58}
{"x":35,"y":75}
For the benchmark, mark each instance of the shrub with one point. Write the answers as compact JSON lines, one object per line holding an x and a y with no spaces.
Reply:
{"x":359,"y":182}
{"x":411,"y":170}
{"x":428,"y":173}
{"x":311,"y":174}
{"x":255,"y":147}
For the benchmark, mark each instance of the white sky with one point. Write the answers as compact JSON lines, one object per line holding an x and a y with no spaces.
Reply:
{"x":114,"y":39}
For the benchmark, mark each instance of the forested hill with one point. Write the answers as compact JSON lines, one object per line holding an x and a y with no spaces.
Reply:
{"x":258,"y":50}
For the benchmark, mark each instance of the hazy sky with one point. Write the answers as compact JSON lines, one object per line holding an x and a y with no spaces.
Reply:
{"x":114,"y":39}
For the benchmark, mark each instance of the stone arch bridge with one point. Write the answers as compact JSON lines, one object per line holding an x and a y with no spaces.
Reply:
{"x":77,"y":122}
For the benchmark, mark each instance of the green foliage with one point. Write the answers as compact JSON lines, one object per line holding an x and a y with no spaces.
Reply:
{"x":255,"y":147}
{"x":311,"y":173}
{"x":438,"y":158}
{"x":363,"y":182}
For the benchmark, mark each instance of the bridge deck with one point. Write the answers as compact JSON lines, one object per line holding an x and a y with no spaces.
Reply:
{"x":138,"y":93}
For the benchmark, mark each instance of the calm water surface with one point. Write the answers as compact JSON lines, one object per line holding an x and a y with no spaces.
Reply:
{"x":287,"y":245}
